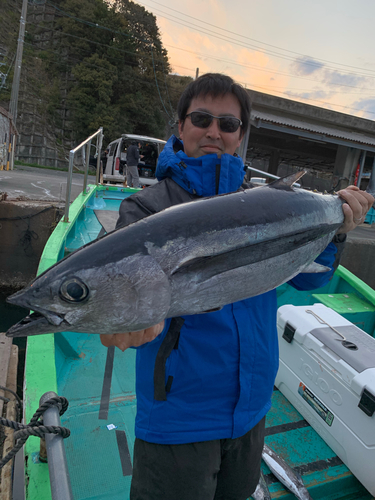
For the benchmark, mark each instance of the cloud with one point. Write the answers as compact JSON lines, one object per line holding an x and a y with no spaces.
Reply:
{"x":366,"y":107}
{"x":344,"y":80}
{"x":306,"y":65}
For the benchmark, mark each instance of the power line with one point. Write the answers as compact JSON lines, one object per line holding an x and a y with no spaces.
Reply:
{"x":225,"y":38}
{"x":223,"y":60}
{"x":95,"y":25}
{"x":248,"y":85}
{"x":136,"y":54}
{"x":248,"y":66}
{"x":84,"y":39}
{"x":74,"y":61}
{"x":258,"y":41}
{"x":195,"y":53}
{"x":257,"y":68}
{"x":157,"y":86}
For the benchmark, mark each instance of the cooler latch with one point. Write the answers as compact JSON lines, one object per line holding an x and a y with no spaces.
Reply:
{"x":289,"y":332}
{"x":367,"y":403}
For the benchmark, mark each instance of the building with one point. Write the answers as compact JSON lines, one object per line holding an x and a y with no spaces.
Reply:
{"x":287,"y":135}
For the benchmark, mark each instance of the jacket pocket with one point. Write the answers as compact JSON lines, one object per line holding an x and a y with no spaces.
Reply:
{"x":169,"y":343}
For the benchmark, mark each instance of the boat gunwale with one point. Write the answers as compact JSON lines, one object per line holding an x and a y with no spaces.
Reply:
{"x":42,"y":378}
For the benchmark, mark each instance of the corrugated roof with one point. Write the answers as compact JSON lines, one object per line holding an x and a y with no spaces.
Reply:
{"x":322,"y":130}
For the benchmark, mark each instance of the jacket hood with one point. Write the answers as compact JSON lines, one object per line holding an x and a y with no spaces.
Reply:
{"x":204,"y":176}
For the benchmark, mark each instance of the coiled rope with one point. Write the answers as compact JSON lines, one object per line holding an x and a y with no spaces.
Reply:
{"x":35,"y":427}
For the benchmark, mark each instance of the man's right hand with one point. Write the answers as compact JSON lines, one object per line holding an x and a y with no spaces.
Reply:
{"x":132,"y":339}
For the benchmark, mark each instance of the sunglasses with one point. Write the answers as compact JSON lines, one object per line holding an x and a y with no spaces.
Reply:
{"x":202,"y":119}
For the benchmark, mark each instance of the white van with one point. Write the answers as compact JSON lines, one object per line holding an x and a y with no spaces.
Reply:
{"x":116,"y":159}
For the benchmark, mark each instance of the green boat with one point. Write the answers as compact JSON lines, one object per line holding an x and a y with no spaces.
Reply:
{"x":99,"y":383}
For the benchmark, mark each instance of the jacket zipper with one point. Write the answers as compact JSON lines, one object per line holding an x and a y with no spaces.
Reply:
{"x":218,"y":168}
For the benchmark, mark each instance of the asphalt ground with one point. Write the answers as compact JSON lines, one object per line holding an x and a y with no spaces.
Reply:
{"x":43,"y":184}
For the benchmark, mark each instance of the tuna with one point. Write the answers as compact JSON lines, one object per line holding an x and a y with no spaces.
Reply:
{"x":261,"y":492}
{"x":187,"y":259}
{"x":285,"y":474}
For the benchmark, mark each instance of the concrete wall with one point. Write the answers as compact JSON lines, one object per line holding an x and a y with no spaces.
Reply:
{"x":24,"y":230}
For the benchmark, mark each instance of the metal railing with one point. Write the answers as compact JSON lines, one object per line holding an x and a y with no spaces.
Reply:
{"x":99,"y":139}
{"x":261,"y":172}
{"x":57,"y":465}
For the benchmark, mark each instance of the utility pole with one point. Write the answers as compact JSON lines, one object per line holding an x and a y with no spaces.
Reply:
{"x":197,"y":73}
{"x":17,"y":68}
{"x":13,"y":105}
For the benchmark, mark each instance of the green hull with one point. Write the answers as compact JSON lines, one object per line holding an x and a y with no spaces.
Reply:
{"x":72,"y":365}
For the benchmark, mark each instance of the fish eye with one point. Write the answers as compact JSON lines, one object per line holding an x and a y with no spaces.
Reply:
{"x":74,"y":290}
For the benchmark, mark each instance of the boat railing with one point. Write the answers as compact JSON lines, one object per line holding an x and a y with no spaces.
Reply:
{"x":261,"y":172}
{"x":57,"y":465}
{"x":86,"y":143}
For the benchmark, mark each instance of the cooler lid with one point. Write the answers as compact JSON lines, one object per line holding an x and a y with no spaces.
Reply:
{"x":357,"y":350}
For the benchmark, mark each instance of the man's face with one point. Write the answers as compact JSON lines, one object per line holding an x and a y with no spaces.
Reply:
{"x":211,"y":140}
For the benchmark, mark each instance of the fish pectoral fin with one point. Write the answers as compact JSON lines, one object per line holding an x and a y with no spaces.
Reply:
{"x":194,"y":262}
{"x":314,"y":267}
{"x":211,"y":310}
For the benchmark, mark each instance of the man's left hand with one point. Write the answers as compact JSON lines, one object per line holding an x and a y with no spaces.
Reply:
{"x":358,"y":203}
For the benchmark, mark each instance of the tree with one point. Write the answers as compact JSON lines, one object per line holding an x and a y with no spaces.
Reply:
{"x":90,"y":63}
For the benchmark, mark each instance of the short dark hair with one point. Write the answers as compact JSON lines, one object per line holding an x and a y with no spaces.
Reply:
{"x":215,"y":84}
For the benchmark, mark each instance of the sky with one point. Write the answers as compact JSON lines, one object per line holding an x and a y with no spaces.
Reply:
{"x":320,"y":52}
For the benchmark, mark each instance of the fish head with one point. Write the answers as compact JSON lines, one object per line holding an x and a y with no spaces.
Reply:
{"x":113,"y":297}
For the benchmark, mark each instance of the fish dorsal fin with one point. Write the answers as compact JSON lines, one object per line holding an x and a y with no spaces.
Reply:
{"x":287,"y":181}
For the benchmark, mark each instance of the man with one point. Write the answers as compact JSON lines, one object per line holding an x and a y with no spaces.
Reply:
{"x":204,"y":382}
{"x":132,"y":159}
{"x":104,"y":159}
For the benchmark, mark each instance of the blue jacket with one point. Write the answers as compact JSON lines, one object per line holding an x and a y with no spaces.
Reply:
{"x":211,"y":376}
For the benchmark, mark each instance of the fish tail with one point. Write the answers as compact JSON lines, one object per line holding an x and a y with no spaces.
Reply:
{"x":371,"y":185}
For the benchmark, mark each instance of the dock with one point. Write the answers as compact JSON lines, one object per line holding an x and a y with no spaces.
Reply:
{"x":8,"y":379}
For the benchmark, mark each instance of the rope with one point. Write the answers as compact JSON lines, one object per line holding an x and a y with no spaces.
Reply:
{"x":35,"y":427}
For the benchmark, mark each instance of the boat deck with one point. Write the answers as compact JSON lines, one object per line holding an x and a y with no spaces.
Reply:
{"x":99,"y":384}
{"x":101,"y":419}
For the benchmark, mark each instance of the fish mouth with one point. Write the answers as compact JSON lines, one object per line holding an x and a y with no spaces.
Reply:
{"x":37,"y":323}
{"x":21,"y":299}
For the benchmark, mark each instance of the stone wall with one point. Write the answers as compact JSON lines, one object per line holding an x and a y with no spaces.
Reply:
{"x":41,"y":139}
{"x":6,"y":129}
{"x":37,"y":143}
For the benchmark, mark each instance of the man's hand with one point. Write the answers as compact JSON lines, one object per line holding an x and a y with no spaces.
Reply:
{"x":132,"y":339}
{"x":358,"y":203}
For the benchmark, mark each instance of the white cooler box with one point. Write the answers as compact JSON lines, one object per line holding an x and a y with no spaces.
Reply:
{"x":331,"y":382}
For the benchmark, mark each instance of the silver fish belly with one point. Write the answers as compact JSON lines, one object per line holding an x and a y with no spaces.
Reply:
{"x":285,"y":474}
